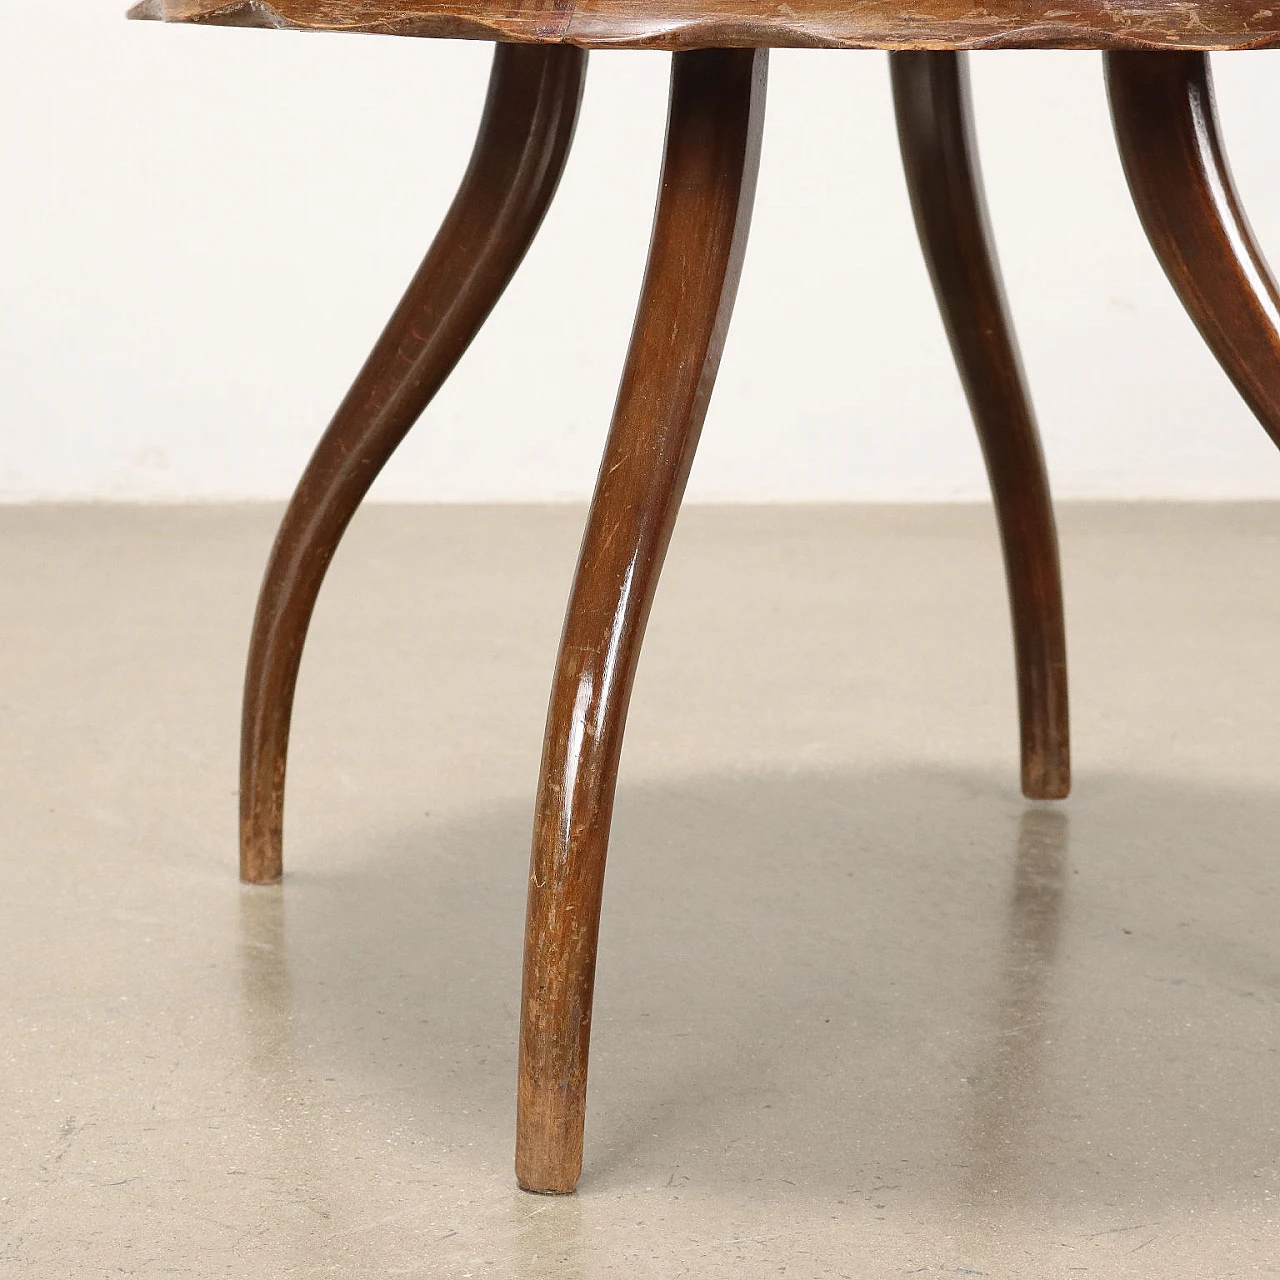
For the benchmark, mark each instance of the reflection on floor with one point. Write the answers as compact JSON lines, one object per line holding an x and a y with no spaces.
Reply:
{"x":861,"y":1010}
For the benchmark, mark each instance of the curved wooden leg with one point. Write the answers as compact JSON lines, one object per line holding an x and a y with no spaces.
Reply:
{"x":519,"y":155}
{"x":1167,"y":131}
{"x":699,"y":236}
{"x":935,"y":128}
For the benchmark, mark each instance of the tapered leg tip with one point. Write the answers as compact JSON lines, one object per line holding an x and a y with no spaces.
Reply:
{"x":535,"y":1190}
{"x":1052,"y":784}
{"x":261,"y":862}
{"x":548,"y":1169}
{"x":547,"y":1180}
{"x":259,"y":880}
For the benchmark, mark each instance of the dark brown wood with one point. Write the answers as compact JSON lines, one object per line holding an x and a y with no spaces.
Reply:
{"x":939,"y":151}
{"x":690,"y":24}
{"x":524,"y":140}
{"x":699,"y":237}
{"x":1167,"y":130}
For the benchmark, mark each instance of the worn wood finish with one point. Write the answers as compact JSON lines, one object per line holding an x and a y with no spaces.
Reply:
{"x":519,"y":155}
{"x":695,"y":257}
{"x":939,"y":150}
{"x":1167,"y":130}
{"x":688,"y":24}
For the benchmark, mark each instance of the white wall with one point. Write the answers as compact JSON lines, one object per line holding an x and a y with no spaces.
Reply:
{"x":203,"y":229}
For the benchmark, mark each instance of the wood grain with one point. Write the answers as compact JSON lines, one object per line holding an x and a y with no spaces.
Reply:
{"x":848,"y":24}
{"x":940,"y":155}
{"x":524,"y":140}
{"x":1167,"y":131}
{"x":695,"y":257}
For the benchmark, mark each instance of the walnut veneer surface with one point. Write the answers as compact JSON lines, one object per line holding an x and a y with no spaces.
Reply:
{"x":686,"y":24}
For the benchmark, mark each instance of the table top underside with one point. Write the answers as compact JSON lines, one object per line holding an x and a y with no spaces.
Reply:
{"x":690,"y":24}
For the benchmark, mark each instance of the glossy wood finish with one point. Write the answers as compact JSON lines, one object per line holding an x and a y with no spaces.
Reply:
{"x":695,"y":257}
{"x":1167,"y":130}
{"x":687,"y":24}
{"x":939,"y":150}
{"x":519,"y":156}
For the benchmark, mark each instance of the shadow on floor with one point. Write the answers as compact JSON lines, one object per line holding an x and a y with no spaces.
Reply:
{"x":903,"y":983}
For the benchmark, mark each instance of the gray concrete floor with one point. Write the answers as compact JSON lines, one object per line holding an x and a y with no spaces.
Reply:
{"x":862,"y":1011}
